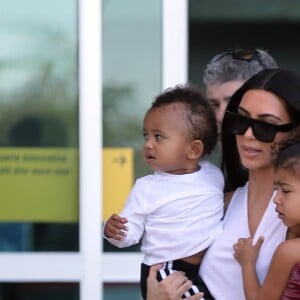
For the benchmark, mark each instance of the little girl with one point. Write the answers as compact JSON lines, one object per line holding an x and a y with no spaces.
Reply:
{"x":283,"y":278}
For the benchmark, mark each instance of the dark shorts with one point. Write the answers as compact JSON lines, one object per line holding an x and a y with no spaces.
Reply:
{"x":191,"y":271}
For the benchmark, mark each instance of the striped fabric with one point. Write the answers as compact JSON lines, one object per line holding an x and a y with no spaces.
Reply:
{"x":167,"y":270}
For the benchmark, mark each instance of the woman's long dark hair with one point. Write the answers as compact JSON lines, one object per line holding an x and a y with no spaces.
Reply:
{"x":283,"y":83}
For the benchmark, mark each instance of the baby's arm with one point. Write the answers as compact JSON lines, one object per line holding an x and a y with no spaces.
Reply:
{"x":114,"y":227}
{"x":246,"y":254}
{"x":127,"y":228}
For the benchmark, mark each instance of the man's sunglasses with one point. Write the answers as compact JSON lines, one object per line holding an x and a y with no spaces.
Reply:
{"x":262,"y":131}
{"x":245,"y":54}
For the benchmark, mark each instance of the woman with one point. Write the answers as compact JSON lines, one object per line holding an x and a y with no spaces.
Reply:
{"x":263,"y":112}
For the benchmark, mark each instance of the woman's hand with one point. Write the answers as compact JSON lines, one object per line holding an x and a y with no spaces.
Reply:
{"x":170,"y":288}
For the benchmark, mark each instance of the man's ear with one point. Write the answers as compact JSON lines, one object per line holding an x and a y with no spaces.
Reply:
{"x":196,"y":149}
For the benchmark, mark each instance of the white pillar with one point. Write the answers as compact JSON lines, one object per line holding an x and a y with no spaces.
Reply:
{"x":90,"y":148}
{"x":175,"y":42}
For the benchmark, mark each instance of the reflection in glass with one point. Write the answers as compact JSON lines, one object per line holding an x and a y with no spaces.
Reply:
{"x":39,"y":110}
{"x":132,"y":47}
{"x":121,"y":291}
{"x":38,"y":291}
{"x":132,"y":76}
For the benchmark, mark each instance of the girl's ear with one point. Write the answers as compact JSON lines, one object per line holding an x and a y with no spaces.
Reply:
{"x":196,"y":150}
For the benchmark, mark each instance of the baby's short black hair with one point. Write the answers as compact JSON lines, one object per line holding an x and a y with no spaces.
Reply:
{"x":199,"y":113}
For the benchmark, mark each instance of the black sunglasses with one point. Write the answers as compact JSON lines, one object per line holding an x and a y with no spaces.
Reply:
{"x":262,"y":131}
{"x":245,"y":54}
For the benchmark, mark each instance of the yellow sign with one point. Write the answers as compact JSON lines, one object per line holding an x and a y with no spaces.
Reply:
{"x":117,"y":178}
{"x":38,"y":184}
{"x":42,"y":185}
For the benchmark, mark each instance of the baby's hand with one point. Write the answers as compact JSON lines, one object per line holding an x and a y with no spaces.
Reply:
{"x":114,"y":227}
